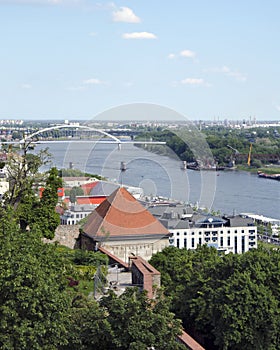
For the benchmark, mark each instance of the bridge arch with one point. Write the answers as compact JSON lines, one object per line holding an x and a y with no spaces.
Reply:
{"x":66,"y":126}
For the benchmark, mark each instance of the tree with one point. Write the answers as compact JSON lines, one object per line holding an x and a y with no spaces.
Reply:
{"x":138,"y":322}
{"x":33,"y":300}
{"x":228,"y":302}
{"x":74,"y":192}
{"x":129,"y":322}
{"x":25,"y":180}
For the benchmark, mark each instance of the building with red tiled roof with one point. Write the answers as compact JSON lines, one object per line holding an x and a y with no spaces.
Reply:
{"x":95,"y":200}
{"x":123,"y":226}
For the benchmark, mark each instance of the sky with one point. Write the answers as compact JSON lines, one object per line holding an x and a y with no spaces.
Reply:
{"x":74,"y":59}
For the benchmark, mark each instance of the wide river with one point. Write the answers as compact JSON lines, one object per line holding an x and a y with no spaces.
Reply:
{"x":226,"y":191}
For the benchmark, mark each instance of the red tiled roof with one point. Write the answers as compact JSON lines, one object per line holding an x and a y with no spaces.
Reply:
{"x":122,"y":215}
{"x":87,"y":199}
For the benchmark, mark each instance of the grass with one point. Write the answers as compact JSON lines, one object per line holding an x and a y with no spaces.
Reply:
{"x":270,"y":171}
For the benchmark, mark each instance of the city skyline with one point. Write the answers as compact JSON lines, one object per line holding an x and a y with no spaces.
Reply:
{"x":74,"y":59}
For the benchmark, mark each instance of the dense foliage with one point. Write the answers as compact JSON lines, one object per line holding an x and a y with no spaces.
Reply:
{"x":129,"y":322}
{"x":43,"y":303}
{"x":77,"y":173}
{"x":34,"y":305}
{"x":225,"y":144}
{"x":227,"y":302}
{"x":31,"y":210}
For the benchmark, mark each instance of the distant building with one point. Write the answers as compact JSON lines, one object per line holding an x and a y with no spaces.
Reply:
{"x":77,"y":181}
{"x":76,"y":213}
{"x":235,"y":234}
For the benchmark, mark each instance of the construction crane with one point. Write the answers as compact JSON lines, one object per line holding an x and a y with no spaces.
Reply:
{"x":249,"y":155}
{"x":233,"y":156}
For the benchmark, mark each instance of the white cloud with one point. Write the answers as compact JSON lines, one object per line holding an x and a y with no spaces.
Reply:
{"x":92,"y":34}
{"x":93,"y":81}
{"x":139,"y":35}
{"x":187,"y":53}
{"x":193,"y":81}
{"x":26,"y":86}
{"x":171,"y":56}
{"x":230,"y":73}
{"x":125,"y":14}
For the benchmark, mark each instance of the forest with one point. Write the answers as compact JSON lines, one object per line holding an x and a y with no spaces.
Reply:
{"x":225,"y":144}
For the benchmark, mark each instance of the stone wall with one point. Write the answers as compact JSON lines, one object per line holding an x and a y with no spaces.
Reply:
{"x":66,"y":235}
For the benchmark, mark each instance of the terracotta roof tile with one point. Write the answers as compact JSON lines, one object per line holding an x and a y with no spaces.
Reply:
{"x":121,"y":214}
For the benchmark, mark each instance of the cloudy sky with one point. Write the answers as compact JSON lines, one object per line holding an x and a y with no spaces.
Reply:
{"x":73,"y":59}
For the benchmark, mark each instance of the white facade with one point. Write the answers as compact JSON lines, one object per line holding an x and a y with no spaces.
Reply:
{"x":215,"y":232}
{"x":228,"y":239}
{"x":76,"y":213}
{"x":233,"y":234}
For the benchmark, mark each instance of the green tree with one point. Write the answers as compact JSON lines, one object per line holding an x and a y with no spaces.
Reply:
{"x":74,"y":192}
{"x":227,"y":302}
{"x":138,"y":322}
{"x":33,"y":302}
{"x":25,"y":180}
{"x":128,"y":322}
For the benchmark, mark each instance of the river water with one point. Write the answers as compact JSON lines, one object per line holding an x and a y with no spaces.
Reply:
{"x":226,"y":191}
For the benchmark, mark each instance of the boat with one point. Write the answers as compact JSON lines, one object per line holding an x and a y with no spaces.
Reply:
{"x":269,"y":176}
{"x":196,"y":166}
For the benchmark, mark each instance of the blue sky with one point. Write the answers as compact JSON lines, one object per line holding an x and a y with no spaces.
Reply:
{"x":72,"y":59}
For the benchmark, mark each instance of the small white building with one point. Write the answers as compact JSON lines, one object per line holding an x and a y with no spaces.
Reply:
{"x":227,"y":234}
{"x":77,"y":181}
{"x":75,"y":213}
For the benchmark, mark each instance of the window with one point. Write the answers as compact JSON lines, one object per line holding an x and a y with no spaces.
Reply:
{"x":228,"y":241}
{"x":242,"y":231}
{"x":178,"y":243}
{"x":235,"y":244}
{"x":221,"y":241}
{"x":243,"y":244}
{"x":178,"y":233}
{"x":199,"y":241}
{"x":192,"y":233}
{"x":185,"y":233}
{"x":228,"y":231}
{"x":235,"y":231}
{"x":185,"y":242}
{"x":192,"y":242}
{"x":221,"y":232}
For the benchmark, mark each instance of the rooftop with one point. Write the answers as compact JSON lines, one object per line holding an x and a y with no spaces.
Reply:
{"x":122,"y":215}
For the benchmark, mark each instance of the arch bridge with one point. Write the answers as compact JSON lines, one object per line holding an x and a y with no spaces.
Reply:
{"x":77,"y":133}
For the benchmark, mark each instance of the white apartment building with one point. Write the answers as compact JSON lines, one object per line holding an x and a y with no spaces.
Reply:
{"x":235,"y":234}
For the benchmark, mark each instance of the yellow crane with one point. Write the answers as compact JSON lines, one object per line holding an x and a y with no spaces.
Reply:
{"x":249,"y":155}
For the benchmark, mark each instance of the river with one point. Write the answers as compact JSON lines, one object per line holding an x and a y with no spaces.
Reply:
{"x":226,"y":191}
